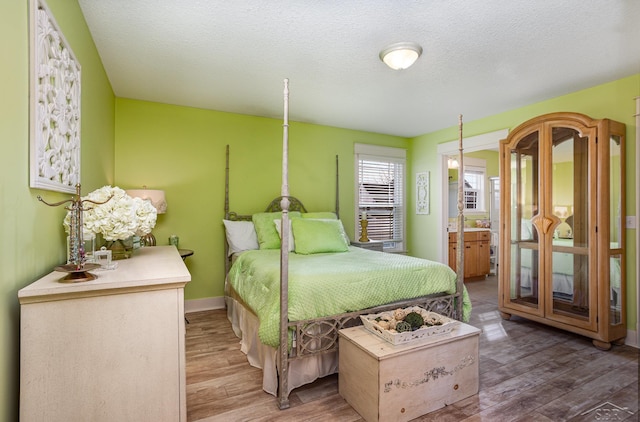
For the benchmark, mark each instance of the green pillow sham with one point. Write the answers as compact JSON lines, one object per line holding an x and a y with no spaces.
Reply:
{"x":318,"y":236}
{"x":268,"y":237}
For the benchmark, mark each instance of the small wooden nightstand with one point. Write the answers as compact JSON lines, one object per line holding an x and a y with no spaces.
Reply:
{"x":185,"y":253}
{"x":372,"y":245}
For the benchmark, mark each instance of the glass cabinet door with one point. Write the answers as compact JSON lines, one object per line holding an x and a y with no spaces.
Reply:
{"x":524,"y":199}
{"x":551,"y":195}
{"x":572,"y":281}
{"x":615,"y":230}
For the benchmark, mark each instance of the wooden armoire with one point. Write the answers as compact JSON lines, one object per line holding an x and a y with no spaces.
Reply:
{"x":562,"y":225}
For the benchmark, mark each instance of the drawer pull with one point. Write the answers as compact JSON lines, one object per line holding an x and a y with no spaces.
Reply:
{"x":402,"y":410}
{"x":455,"y":387}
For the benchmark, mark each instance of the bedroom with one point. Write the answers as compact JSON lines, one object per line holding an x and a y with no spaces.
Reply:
{"x":132,"y":142}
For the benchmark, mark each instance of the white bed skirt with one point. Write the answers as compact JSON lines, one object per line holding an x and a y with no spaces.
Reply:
{"x":301,"y":371}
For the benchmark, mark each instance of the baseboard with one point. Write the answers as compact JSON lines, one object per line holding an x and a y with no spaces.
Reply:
{"x":632,"y":339}
{"x":206,"y":304}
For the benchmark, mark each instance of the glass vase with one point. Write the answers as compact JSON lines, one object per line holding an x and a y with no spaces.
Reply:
{"x":120,"y":248}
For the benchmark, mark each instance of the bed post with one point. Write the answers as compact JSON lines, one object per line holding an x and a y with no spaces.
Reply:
{"x":460,"y":225}
{"x":226,"y":210}
{"x":283,"y":350}
{"x":226,"y":184}
{"x":337,"y":188}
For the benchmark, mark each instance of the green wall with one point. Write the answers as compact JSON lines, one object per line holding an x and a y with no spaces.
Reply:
{"x":614,"y":100}
{"x":33,"y":241}
{"x":182,"y":151}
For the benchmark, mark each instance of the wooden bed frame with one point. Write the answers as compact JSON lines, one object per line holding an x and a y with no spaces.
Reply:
{"x":320,"y":335}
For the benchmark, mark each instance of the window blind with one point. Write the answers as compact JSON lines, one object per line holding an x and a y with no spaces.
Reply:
{"x":381,"y":195}
{"x":474,"y":190}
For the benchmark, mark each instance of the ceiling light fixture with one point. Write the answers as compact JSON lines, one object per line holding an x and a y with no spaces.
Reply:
{"x":400,"y":55}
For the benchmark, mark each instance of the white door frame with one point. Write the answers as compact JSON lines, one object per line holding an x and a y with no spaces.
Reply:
{"x":485,"y":141}
{"x":637,"y":336}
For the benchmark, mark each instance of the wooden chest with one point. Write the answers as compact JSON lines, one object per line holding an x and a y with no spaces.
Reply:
{"x":384,"y":382}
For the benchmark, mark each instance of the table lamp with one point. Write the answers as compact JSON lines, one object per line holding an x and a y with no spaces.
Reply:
{"x":157,"y":199}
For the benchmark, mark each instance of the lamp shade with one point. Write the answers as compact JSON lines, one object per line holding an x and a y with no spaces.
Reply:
{"x":400,"y":55}
{"x":156,"y":197}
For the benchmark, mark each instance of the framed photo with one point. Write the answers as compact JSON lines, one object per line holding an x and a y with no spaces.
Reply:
{"x":54,"y":115}
{"x":422,"y":193}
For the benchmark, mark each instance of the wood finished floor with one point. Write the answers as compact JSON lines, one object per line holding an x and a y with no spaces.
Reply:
{"x":528,"y":372}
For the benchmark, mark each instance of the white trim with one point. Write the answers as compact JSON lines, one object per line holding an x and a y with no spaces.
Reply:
{"x":387,"y":154}
{"x":481,"y":142}
{"x":474,"y":143}
{"x":632,"y":339}
{"x":380,"y":151}
{"x":205,"y":304}
{"x":637,"y":115}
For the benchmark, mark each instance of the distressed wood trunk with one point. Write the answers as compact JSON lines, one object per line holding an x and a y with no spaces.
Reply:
{"x":384,"y":382}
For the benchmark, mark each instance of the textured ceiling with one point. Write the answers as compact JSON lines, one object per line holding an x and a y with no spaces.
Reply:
{"x":480,"y":57}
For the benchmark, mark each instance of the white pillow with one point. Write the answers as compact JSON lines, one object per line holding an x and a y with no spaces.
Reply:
{"x":278,"y":224}
{"x":241,"y":236}
{"x":526,"y":229}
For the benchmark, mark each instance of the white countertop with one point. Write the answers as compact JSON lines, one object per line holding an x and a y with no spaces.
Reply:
{"x":150,"y":268}
{"x":471,"y":229}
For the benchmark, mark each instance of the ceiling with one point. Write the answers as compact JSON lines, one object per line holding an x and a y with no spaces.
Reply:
{"x":480,"y":57}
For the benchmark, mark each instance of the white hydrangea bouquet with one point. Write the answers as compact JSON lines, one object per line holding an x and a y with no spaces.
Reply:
{"x":116,"y":215}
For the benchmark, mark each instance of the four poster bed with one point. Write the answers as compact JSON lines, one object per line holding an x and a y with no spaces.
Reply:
{"x":293,"y":281}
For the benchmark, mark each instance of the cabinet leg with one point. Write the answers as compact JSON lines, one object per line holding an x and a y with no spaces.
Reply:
{"x":619,"y":342}
{"x":602,"y":345}
{"x":505,"y":315}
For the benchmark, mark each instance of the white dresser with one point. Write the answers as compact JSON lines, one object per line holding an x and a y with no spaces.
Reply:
{"x":110,"y":349}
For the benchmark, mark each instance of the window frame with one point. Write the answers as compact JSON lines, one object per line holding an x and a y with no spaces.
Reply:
{"x":389,"y":155}
{"x":476,"y":166}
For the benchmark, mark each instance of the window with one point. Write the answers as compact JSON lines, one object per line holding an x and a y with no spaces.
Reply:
{"x":380,"y":194}
{"x":475,"y":174}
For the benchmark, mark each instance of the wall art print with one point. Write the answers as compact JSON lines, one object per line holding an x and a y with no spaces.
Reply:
{"x":54,"y":104}
{"x":422,"y":193}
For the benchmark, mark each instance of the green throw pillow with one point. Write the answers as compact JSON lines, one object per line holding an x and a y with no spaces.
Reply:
{"x":268,"y":237}
{"x":318,"y":236}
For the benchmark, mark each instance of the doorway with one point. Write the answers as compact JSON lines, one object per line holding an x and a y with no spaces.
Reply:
{"x":486,"y":141}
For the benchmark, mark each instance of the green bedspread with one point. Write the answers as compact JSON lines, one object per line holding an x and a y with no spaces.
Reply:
{"x":334,"y":283}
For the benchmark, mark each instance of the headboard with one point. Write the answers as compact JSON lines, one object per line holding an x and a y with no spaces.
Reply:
{"x":274,"y":206}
